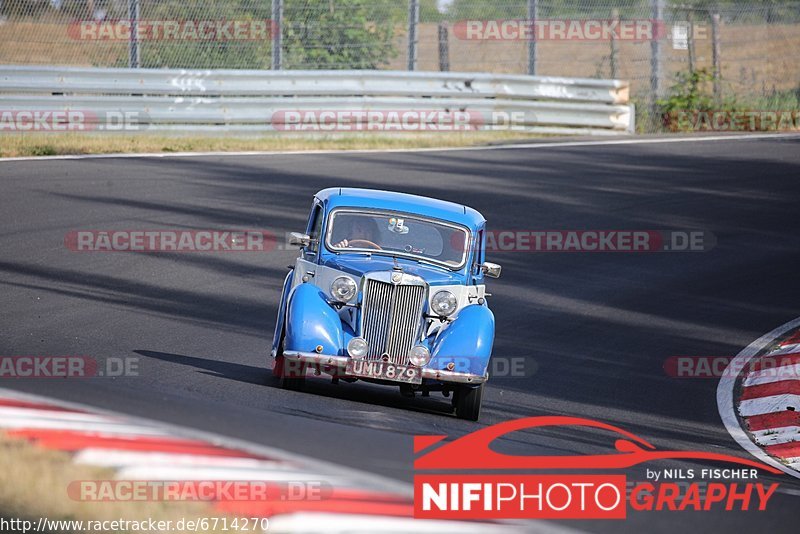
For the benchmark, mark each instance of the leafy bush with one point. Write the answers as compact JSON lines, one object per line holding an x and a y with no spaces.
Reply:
{"x":346,"y":34}
{"x":693,"y":94}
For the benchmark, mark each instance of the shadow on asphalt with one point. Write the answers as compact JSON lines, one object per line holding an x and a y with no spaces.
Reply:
{"x":360,"y":392}
{"x":596,"y":327}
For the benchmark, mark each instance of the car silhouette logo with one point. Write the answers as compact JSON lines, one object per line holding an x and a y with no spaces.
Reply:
{"x":473,"y":451}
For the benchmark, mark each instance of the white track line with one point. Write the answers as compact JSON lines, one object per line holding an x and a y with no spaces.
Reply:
{"x":771,"y":404}
{"x":776,"y":436}
{"x":108,"y":429}
{"x":361,"y":524}
{"x":725,"y":405}
{"x":773,"y":374}
{"x":161,"y":472}
{"x":33,"y":413}
{"x":519,"y":146}
{"x":120,"y":458}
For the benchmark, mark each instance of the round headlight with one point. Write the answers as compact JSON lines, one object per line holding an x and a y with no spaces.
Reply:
{"x":343,"y":289}
{"x":444,"y":303}
{"x":357,"y":347}
{"x":419,"y":355}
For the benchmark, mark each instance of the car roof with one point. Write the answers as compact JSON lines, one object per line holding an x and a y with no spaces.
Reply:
{"x":336,"y":197}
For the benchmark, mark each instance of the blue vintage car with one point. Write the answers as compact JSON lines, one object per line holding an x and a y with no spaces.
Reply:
{"x":389,"y":288}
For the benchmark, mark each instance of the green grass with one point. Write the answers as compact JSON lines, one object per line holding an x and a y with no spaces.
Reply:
{"x":53,"y":144}
{"x":34,"y":483}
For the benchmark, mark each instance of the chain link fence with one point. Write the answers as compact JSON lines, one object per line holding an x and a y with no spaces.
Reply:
{"x":743,"y":50}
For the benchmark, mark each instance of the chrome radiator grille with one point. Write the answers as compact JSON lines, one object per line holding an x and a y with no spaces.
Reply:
{"x":390,"y":319}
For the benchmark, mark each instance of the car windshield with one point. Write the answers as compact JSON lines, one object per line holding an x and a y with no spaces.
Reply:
{"x":398,"y":234}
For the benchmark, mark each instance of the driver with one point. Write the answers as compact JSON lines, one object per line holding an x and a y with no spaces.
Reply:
{"x":358,"y":229}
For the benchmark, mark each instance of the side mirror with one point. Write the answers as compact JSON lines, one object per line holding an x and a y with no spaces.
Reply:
{"x":491,"y":270}
{"x":300,"y":240}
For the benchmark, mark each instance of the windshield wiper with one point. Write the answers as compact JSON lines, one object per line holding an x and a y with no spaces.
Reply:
{"x":433,"y":263}
{"x":361,"y":252}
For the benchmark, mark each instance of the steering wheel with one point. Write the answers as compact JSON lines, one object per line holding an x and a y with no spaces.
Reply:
{"x":364,"y":242}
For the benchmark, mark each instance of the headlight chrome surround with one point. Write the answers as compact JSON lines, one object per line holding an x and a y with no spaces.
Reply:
{"x":357,"y":347}
{"x":343,"y":289}
{"x":419,"y":355}
{"x":444,"y":303}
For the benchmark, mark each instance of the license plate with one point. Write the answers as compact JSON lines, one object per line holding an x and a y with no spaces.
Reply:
{"x":384,"y":371}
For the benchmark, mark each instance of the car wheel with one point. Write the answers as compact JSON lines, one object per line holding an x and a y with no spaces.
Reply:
{"x":294,"y":383}
{"x":277,"y":358}
{"x":292,"y":375}
{"x":468,"y":402}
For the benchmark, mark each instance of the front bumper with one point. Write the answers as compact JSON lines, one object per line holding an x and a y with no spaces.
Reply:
{"x":442,"y":375}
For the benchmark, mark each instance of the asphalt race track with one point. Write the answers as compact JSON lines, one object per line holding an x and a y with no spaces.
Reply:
{"x":594,"y":329}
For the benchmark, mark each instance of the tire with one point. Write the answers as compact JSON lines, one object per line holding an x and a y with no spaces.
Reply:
{"x":468,"y":402}
{"x":277,"y":360}
{"x":294,"y":378}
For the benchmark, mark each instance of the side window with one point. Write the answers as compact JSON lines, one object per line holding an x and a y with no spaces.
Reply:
{"x":316,"y":228}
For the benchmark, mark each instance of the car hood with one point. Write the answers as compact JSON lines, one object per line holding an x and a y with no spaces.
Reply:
{"x":358,"y":265}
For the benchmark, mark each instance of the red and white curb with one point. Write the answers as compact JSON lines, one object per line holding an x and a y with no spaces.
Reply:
{"x":146,"y":450}
{"x":140,"y":449}
{"x":761,"y":408}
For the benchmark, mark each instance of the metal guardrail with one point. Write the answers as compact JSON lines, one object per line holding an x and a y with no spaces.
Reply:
{"x":258,"y":100}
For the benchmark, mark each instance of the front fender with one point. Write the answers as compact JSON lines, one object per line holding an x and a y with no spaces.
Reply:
{"x":311,"y":321}
{"x":467,"y":341}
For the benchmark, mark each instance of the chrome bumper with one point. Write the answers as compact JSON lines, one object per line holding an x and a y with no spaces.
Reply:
{"x":442,"y":375}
